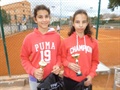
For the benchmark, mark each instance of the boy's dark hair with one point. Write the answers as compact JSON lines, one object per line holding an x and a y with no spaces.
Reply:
{"x":41,"y":7}
{"x":88,"y":28}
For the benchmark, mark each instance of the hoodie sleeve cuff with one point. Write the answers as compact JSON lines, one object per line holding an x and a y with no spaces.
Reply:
{"x":32,"y":71}
{"x":92,"y":75}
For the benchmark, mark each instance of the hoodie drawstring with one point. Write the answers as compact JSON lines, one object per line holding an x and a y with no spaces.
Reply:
{"x":84,"y":43}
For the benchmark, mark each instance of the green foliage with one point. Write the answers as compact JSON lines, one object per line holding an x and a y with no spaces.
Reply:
{"x":113,"y":4}
{"x":5,"y":17}
{"x":114,"y":21}
{"x":55,"y":23}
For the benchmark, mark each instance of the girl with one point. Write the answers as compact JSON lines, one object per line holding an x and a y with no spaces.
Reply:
{"x":41,"y":44}
{"x":82,"y":47}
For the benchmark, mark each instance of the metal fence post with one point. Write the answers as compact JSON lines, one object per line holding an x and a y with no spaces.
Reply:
{"x":4,"y":43}
{"x":98,"y":19}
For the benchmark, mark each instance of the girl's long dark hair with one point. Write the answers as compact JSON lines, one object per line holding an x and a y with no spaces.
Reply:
{"x":88,"y":28}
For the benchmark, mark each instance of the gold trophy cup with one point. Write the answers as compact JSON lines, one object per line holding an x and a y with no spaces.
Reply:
{"x":76,"y":56}
{"x":42,"y":64}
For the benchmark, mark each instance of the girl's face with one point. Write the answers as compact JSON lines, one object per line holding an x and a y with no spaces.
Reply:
{"x":42,"y":19}
{"x":80,"y":23}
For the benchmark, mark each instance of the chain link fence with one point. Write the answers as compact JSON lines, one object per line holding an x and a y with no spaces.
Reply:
{"x":21,"y":23}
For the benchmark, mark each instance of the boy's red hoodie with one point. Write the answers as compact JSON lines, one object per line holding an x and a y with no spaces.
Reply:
{"x":88,"y":60}
{"x":37,"y":46}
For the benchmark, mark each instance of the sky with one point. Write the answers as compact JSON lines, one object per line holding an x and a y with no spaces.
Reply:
{"x":66,"y":8}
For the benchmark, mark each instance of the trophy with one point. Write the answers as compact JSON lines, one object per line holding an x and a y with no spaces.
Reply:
{"x":42,"y":64}
{"x":76,"y":56}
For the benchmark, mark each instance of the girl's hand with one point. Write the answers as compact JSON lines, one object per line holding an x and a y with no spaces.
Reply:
{"x":56,"y":69}
{"x":38,"y":73}
{"x":74,"y":67}
{"x":89,"y":81}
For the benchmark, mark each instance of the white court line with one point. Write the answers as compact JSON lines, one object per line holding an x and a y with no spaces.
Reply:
{"x":109,"y":39}
{"x":109,"y":36}
{"x":110,"y":42}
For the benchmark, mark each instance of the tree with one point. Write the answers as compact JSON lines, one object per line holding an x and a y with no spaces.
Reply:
{"x":113,"y":4}
{"x":5,"y":17}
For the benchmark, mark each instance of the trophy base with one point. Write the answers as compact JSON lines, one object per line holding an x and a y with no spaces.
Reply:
{"x":39,"y":81}
{"x":79,"y":74}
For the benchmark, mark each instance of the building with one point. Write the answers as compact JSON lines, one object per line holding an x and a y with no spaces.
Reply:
{"x":19,"y":12}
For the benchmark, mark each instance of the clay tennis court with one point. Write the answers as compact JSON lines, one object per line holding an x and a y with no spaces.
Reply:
{"x":109,"y":47}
